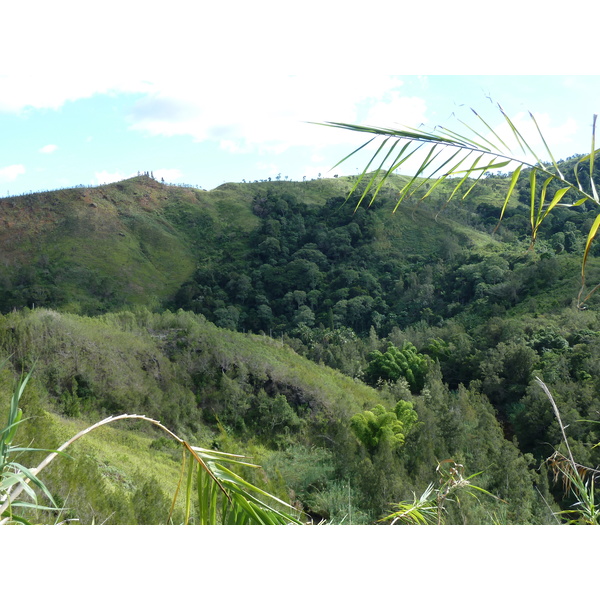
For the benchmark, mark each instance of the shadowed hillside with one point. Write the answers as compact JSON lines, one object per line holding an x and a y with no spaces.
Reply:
{"x":138,"y":241}
{"x":252,"y":317}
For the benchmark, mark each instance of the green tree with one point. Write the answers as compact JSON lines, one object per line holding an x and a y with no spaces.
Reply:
{"x":479,"y":151}
{"x":378,"y":425}
{"x":398,"y":362}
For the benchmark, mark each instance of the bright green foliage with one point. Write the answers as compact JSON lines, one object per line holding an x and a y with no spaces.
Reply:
{"x":406,"y":415}
{"x":12,"y":473}
{"x":377,"y":426}
{"x":395,"y":363}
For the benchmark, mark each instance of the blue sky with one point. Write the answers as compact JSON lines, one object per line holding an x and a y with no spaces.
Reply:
{"x":205,"y":95}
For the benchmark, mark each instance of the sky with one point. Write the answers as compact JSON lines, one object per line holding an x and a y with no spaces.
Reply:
{"x":208,"y":93}
{"x":205,"y":93}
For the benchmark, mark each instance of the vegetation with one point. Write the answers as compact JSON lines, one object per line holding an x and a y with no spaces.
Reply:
{"x":359,"y":356}
{"x":489,"y":155}
{"x":241,"y":503}
{"x":568,"y":192}
{"x":395,"y":363}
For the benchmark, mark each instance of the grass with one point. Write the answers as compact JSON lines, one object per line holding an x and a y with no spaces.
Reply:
{"x":122,"y":457}
{"x":111,"y":467}
{"x":133,"y":356}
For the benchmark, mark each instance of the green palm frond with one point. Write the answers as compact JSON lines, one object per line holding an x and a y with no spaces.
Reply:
{"x":223,"y":497}
{"x":486,"y":152}
{"x":422,"y":511}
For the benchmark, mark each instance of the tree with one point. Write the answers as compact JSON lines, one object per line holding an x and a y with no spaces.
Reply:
{"x":398,"y":362}
{"x":223,"y":497}
{"x":378,"y":425}
{"x":549,"y":186}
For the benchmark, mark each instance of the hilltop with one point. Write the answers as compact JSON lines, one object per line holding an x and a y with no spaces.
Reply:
{"x":252,"y":317}
{"x":137,"y":241}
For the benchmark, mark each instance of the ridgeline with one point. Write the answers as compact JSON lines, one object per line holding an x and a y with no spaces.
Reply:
{"x":348,"y":350}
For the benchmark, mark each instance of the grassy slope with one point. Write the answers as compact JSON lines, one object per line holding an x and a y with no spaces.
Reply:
{"x":141,"y":236}
{"x":138,"y":241}
{"x":132,"y":362}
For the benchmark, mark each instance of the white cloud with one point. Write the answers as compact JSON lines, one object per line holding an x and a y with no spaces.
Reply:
{"x":239,"y":98}
{"x":397,"y":112}
{"x":11,"y":172}
{"x":48,"y":149}
{"x":107,"y":177}
{"x":169,"y":175}
{"x":69,"y":55}
{"x":231,"y":146}
{"x":273,"y":114}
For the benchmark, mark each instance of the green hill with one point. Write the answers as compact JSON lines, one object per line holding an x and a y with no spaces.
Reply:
{"x":179,"y":369}
{"x":248,"y":319}
{"x":136,"y":241}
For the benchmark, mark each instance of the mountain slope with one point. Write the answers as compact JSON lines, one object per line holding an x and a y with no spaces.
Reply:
{"x":93,"y":248}
{"x":136,"y":241}
{"x":298,"y":263}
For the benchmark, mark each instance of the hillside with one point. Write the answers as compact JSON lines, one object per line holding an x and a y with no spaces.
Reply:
{"x":252,"y":317}
{"x":177,"y":368}
{"x":133,"y":242}
{"x":93,"y":248}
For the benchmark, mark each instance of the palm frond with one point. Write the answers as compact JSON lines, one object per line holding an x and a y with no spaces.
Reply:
{"x":423,"y":511}
{"x":242,"y":502}
{"x":482,"y":141}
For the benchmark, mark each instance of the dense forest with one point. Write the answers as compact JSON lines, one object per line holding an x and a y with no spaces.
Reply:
{"x":352,"y":352}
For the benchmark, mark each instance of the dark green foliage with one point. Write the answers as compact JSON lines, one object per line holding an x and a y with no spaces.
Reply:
{"x":450,"y":325}
{"x":272,"y":416}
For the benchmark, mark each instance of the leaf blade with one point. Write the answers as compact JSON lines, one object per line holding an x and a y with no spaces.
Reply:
{"x":511,"y":187}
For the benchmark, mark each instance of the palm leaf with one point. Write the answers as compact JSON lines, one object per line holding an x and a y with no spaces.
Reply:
{"x":511,"y":187}
{"x":245,"y":502}
{"x":484,"y":141}
{"x":423,"y":511}
{"x":592,"y":154}
{"x":588,"y":244}
{"x":491,"y":131}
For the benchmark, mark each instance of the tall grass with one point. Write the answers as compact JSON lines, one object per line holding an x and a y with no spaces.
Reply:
{"x":214,"y":493}
{"x":13,"y":475}
{"x":577,"y":479}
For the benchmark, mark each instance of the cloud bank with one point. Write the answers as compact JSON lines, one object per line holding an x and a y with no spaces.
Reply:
{"x":11,"y":172}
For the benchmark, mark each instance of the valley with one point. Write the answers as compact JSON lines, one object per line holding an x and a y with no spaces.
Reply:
{"x":349,"y":351}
